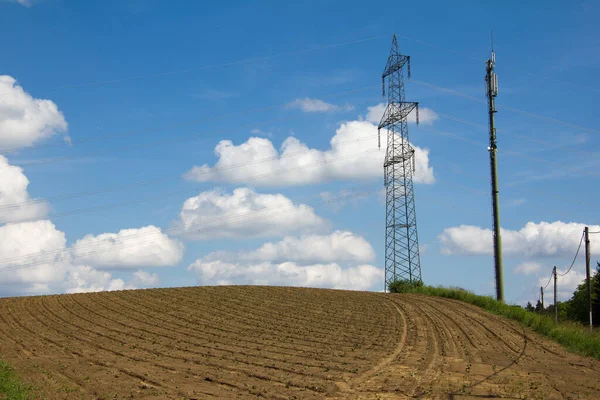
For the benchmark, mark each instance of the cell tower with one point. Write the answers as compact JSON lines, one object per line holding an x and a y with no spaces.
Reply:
{"x":491,"y":91}
{"x":402,"y":260}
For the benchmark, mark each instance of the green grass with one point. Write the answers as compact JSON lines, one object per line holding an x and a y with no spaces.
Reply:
{"x":574,"y":337}
{"x":11,"y":387}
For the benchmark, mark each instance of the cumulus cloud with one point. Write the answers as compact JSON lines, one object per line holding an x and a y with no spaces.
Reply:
{"x":35,"y":258}
{"x":147,"y":246}
{"x":25,"y":120}
{"x":528,"y":268}
{"x":13,"y":191}
{"x":335,"y":247}
{"x":315,"y":105}
{"x":47,"y":268}
{"x":85,"y":279}
{"x":141,"y":278}
{"x":533,"y":240}
{"x":362,"y":277}
{"x":338,"y":260}
{"x":242,"y":214}
{"x":567,"y":284}
{"x":426,"y":115}
{"x":40,"y":238}
{"x":353,"y":155}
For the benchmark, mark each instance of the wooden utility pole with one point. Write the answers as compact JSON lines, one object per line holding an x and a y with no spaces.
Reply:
{"x":586,"y":233}
{"x":542,"y":292}
{"x":555,"y":297}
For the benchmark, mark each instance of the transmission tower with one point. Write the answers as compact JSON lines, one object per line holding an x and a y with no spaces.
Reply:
{"x":402,"y":260}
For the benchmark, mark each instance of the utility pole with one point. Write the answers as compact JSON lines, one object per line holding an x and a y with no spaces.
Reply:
{"x":402,"y":260}
{"x":491,"y":88}
{"x":586,"y":232}
{"x":542,"y":292}
{"x":555,"y":297}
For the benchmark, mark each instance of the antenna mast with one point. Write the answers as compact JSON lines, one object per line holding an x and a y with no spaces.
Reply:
{"x":402,"y":260}
{"x":491,"y":88}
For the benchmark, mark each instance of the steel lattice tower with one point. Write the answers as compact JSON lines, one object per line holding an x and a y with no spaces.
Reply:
{"x":402,"y":260}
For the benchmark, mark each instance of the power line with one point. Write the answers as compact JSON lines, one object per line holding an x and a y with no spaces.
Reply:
{"x":513,"y":109}
{"x":244,"y":179}
{"x":478,"y":59}
{"x":227,"y":64}
{"x":575,"y":258}
{"x":549,"y":280}
{"x":70,"y":256}
{"x":216,"y":169}
{"x":172,"y":125}
{"x":169,"y":177}
{"x":527,"y":138}
{"x":175,"y":228}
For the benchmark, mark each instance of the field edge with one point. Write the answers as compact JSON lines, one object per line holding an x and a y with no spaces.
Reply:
{"x":573,"y":337}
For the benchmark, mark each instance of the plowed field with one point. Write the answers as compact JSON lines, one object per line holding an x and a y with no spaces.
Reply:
{"x":280,"y":343}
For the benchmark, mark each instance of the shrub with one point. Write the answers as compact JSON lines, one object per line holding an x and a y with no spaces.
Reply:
{"x":404,"y":286}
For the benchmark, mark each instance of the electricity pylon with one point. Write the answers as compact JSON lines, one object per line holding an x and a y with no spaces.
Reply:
{"x":402,"y":260}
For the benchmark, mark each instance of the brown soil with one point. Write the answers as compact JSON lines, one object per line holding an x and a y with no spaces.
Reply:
{"x":280,"y":343}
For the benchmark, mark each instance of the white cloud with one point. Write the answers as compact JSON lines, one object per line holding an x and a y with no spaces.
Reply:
{"x":147,"y":246}
{"x":13,"y":190}
{"x":426,"y":115}
{"x":40,"y":238}
{"x":144,"y":279}
{"x":35,"y":259}
{"x":362,"y":277}
{"x":215,"y":214}
{"x":25,"y":120}
{"x":565,"y":285}
{"x":338,"y":260}
{"x":528,"y":268}
{"x":48,"y":270}
{"x":83,"y":279}
{"x":335,"y":247}
{"x":533,"y":240}
{"x":315,"y":105}
{"x":353,"y":155}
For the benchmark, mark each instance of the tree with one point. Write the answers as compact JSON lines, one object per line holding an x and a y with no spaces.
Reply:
{"x":577,"y":306}
{"x":538,"y":307}
{"x":529,"y":307}
{"x":596,"y":296}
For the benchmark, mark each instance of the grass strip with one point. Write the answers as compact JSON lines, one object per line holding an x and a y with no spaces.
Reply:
{"x":574,"y":337}
{"x":11,"y":386}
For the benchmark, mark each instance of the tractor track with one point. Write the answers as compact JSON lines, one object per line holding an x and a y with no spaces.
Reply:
{"x":280,"y":343}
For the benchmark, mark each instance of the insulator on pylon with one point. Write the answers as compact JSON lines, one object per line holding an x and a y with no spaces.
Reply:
{"x":417,"y":113}
{"x":414,"y":162}
{"x":383,"y":86}
{"x":379,"y":138}
{"x":408,"y":60}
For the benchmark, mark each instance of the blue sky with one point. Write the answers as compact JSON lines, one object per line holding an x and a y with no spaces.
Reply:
{"x":146,"y":90}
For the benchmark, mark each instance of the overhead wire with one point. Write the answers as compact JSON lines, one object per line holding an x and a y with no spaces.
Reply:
{"x":230,"y":182}
{"x":212,"y":170}
{"x":575,"y":258}
{"x":191,"y":122}
{"x":509,"y":67}
{"x":512,"y":109}
{"x":221,"y":65}
{"x":169,"y":177}
{"x":175,"y":229}
{"x":69,"y":251}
